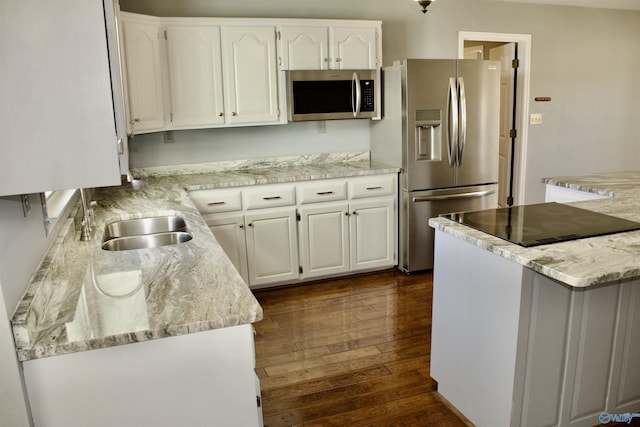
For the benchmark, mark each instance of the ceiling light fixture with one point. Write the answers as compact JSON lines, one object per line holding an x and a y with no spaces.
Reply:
{"x":424,"y":4}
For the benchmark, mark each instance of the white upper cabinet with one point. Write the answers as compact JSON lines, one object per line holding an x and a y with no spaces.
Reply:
{"x":322,"y":45}
{"x":144,"y":66}
{"x":304,"y":48}
{"x":354,"y":48}
{"x":56,"y":107}
{"x":190,"y":73}
{"x":195,"y":75}
{"x":250,"y":73}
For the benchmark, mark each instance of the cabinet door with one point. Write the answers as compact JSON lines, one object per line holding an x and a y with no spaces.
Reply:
{"x":272,"y":245}
{"x":353,"y":48}
{"x":228,"y":230}
{"x":372,"y":233}
{"x":195,"y":76}
{"x":56,"y":109}
{"x":324,"y":239}
{"x":250,"y":74}
{"x":143,"y":64}
{"x":304,"y":48}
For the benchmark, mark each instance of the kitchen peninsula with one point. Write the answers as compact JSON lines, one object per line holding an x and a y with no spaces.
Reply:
{"x":545,"y":335}
{"x":89,"y":326}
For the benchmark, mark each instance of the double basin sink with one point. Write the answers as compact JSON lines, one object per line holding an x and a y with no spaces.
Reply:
{"x":143,"y":233}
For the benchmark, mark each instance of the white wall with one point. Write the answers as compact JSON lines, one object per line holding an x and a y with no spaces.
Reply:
{"x":585,"y":59}
{"x":208,"y":145}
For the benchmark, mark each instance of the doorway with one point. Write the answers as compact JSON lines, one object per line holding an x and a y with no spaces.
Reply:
{"x":513,"y":122}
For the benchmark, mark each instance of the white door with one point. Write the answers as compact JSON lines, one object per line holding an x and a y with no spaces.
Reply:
{"x":143,"y":64}
{"x":353,"y":48}
{"x":304,"y":48}
{"x":250,"y":74}
{"x":371,"y":230}
{"x":324,"y":239}
{"x":505,"y":54}
{"x":228,"y":230}
{"x":195,"y":76}
{"x":272,"y":245}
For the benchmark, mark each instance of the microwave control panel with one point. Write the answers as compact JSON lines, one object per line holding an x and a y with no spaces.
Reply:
{"x":368,"y":95}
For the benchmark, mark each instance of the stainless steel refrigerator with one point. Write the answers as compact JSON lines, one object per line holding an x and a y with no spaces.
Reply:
{"x":441,"y":126}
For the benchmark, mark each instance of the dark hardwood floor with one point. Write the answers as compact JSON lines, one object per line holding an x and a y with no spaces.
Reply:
{"x":349,"y":352}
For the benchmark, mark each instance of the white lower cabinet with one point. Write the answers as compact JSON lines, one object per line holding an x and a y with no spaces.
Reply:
{"x":324,"y":239}
{"x":228,"y":228}
{"x":371,"y":234}
{"x":283,"y":233}
{"x":201,"y":379}
{"x":272,"y":248}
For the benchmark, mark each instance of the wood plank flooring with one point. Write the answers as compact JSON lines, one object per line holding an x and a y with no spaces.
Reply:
{"x":349,"y":352}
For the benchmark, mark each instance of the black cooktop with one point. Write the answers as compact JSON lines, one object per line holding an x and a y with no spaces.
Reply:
{"x":540,"y":224}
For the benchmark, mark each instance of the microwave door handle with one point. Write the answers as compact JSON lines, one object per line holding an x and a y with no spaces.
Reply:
{"x":355,"y":89}
{"x":452,"y":122}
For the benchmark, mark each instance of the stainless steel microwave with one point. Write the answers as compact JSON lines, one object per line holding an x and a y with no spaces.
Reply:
{"x":333,"y":94}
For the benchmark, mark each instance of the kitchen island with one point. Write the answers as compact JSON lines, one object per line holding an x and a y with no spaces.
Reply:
{"x":546,"y":335}
{"x":169,"y":328}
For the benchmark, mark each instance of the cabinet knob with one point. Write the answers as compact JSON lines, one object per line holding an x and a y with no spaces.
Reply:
{"x":241,"y":226}
{"x":250,"y":224}
{"x":338,"y":59}
{"x":221,"y":114}
{"x":355,"y":213}
{"x":234,"y":113}
{"x":347,"y":214}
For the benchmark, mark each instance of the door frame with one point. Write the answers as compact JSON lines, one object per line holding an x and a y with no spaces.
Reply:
{"x":522,"y":102}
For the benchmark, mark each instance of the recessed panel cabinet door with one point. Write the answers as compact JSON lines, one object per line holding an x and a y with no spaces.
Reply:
{"x":272,"y":245}
{"x":228,"y":229}
{"x":195,"y":76}
{"x":304,"y":48}
{"x":372,"y":234}
{"x":324,"y":239}
{"x":250,"y":74}
{"x":143,"y":63}
{"x":56,"y":105}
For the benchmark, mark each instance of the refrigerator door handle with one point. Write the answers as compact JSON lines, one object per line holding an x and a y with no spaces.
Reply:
{"x":463,"y":121}
{"x":452,"y":120}
{"x":355,"y":89}
{"x":469,"y":195}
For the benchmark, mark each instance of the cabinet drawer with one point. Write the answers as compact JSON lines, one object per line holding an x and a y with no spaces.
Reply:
{"x":372,"y":186}
{"x":216,"y":201}
{"x":322,"y":191}
{"x":269,"y":196}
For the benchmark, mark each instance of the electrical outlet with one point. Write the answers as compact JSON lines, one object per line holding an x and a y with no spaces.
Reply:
{"x":168,"y":137}
{"x":535,"y":119}
{"x":322,"y":127}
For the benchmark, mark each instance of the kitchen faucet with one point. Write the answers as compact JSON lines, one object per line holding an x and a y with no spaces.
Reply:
{"x":87,"y":216}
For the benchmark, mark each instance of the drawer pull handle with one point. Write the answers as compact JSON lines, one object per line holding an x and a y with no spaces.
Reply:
{"x":272,"y":198}
{"x":215,"y":203}
{"x":324,"y":193}
{"x":374,"y":188}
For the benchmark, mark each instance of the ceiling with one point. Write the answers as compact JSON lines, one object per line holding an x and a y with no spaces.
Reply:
{"x":604,"y":4}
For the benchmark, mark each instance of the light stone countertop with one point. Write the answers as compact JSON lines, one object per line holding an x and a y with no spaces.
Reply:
{"x":583,"y":262}
{"x":83,"y":298}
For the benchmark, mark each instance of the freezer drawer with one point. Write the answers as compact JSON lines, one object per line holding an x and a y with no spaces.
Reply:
{"x":416,"y":236}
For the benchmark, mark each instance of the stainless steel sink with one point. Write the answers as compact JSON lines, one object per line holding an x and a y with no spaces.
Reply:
{"x":146,"y":241}
{"x":141,"y":233}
